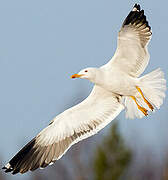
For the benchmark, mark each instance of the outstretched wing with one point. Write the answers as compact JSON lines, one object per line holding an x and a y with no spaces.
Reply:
{"x":132,"y":54}
{"x":66,"y":129}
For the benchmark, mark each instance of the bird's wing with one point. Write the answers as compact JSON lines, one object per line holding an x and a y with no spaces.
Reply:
{"x":66,"y":129}
{"x":132,"y":55}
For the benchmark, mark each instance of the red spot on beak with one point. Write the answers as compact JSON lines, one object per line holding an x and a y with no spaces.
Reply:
{"x":76,"y":76}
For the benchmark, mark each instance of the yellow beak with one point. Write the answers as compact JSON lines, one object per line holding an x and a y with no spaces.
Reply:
{"x":76,"y":76}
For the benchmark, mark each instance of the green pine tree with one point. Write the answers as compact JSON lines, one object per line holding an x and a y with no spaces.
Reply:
{"x":112,"y":157}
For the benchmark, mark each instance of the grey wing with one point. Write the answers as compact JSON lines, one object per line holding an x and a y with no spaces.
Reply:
{"x":132,"y":54}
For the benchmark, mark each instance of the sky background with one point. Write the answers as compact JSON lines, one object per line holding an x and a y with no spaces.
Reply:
{"x":42,"y":43}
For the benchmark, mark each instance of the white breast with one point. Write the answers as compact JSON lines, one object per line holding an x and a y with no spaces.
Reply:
{"x":119,"y":82}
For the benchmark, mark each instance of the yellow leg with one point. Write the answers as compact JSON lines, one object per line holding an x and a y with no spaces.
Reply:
{"x":146,"y":101}
{"x":145,"y":111}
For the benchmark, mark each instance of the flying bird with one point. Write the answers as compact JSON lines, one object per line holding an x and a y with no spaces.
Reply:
{"x":117,"y":86}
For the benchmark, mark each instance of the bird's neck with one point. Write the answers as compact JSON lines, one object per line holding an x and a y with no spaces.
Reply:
{"x":99,"y":77}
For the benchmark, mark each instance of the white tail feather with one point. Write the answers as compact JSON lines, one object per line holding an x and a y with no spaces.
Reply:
{"x":153,"y":86}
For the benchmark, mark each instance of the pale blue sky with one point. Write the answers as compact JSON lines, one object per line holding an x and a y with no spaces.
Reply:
{"x":43,"y":42}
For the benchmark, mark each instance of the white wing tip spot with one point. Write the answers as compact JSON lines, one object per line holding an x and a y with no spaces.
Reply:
{"x":8,"y":166}
{"x":135,"y":9}
{"x":51,"y":163}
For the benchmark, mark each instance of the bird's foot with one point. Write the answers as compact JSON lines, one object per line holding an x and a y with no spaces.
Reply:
{"x":142,"y":109}
{"x":145,"y":111}
{"x":145,"y":100}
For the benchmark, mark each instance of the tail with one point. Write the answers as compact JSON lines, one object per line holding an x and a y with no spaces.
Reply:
{"x":153,"y":86}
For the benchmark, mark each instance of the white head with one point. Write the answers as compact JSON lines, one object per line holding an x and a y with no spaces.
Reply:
{"x":88,"y":73}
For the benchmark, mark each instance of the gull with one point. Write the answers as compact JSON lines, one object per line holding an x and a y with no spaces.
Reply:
{"x":117,"y":86}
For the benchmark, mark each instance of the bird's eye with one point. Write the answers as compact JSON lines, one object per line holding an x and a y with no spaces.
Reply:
{"x":86,"y":71}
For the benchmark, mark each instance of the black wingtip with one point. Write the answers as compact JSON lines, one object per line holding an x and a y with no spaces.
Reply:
{"x":8,"y":170}
{"x":15,"y":171}
{"x":136,"y":16}
{"x":137,"y":6}
{"x":14,"y":163}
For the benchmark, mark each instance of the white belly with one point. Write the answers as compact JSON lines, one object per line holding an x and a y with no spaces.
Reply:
{"x":121,"y":83}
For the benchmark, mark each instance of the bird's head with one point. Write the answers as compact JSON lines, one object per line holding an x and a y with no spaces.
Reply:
{"x":88,"y":73}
